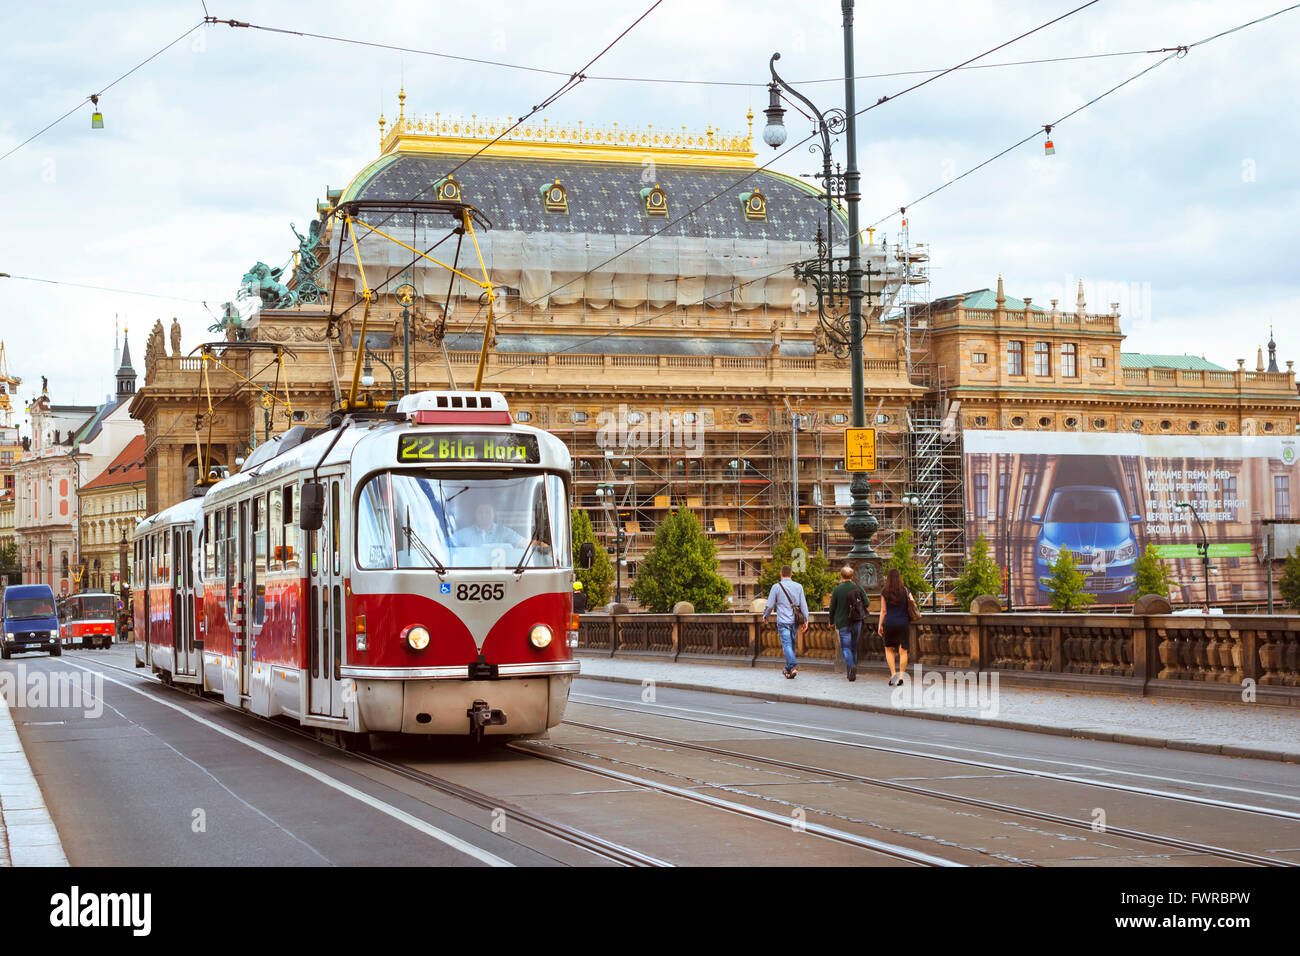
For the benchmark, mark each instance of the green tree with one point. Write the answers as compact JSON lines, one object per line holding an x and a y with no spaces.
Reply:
{"x":1289,"y":586}
{"x":597,"y":579}
{"x":1066,"y":584}
{"x":912,"y":571}
{"x":9,"y":569}
{"x":980,"y":576}
{"x":682,"y":565}
{"x":811,"y":572}
{"x":1152,"y":574}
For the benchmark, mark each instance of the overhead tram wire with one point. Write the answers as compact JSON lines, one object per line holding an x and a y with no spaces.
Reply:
{"x":395,"y":48}
{"x":1177,"y":53}
{"x":573,"y":80}
{"x":100,"y":288}
{"x":104,"y":90}
{"x":793,"y":146}
{"x":715,"y":196}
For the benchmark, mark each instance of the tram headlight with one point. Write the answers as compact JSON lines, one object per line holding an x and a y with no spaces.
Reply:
{"x":540,"y":636}
{"x":416,"y":637}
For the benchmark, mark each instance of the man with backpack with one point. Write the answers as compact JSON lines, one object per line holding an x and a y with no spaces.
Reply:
{"x":850,"y":608}
{"x":791,"y":607}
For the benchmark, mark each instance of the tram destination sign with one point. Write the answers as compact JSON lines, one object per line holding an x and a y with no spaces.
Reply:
{"x":458,"y":447}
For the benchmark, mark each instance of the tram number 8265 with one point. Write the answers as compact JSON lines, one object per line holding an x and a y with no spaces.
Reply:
{"x":480,"y":592}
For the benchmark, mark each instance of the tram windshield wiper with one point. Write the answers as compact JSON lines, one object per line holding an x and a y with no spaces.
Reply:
{"x":413,"y":538}
{"x":523,"y":559}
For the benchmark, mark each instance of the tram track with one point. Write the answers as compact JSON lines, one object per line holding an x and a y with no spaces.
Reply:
{"x":1069,"y":778}
{"x":1169,"y":842}
{"x":533,"y":749}
{"x":571,"y":836}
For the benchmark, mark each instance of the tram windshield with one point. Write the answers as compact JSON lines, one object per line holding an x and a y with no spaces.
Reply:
{"x":501,"y":521}
{"x":93,"y":608}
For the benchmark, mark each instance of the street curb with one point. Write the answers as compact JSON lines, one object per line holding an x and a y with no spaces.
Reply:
{"x":1086,"y":733}
{"x":40,"y":844}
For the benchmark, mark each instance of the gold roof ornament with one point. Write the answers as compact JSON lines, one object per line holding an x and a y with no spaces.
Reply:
{"x":567,"y":141}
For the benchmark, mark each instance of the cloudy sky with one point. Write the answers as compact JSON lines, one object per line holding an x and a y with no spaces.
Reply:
{"x":1177,"y":196}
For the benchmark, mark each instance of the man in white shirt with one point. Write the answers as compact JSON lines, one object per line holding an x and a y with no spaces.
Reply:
{"x":485,"y":530}
{"x":785,"y":598}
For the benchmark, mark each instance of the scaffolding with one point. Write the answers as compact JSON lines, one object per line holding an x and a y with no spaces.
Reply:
{"x":933,"y":452}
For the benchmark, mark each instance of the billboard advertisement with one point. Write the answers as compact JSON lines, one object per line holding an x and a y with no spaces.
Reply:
{"x":1106,"y":496}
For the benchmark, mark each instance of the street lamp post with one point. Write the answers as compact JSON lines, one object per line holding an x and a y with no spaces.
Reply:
{"x":913,"y":501}
{"x":861,"y":523}
{"x":368,"y":372}
{"x":1204,"y":548}
{"x":605,"y":493}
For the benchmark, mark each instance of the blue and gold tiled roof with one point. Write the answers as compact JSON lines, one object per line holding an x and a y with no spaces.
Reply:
{"x":607,"y":175}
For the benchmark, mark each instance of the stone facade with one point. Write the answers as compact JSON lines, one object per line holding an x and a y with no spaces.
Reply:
{"x":111,"y":505}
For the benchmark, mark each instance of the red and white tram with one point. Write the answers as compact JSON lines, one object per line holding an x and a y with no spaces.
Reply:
{"x":405,"y":572}
{"x":88,"y":619}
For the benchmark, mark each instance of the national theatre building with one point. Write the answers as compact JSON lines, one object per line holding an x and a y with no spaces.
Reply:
{"x":648,"y":314}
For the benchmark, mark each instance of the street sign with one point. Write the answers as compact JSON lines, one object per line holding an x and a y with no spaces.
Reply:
{"x":859,"y":449}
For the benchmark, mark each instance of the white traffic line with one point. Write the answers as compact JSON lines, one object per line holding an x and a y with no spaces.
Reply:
{"x":783,"y":729}
{"x":442,"y":836}
{"x":25,"y":824}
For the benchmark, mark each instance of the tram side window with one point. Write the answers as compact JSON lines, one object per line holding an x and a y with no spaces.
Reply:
{"x":207,"y":546}
{"x":153,"y":559}
{"x":275,"y":529}
{"x":229,"y":569}
{"x":259,"y":558}
{"x":291,"y":531}
{"x":336,"y":524}
{"x":218,"y":546}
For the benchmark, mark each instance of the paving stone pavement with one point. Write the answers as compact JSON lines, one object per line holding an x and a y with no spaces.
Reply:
{"x":1235,"y":730}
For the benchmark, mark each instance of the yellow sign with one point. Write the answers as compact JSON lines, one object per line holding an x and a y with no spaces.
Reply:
{"x":859,"y":449}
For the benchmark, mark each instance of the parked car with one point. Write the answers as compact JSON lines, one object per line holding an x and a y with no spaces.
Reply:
{"x":1089,"y":521}
{"x":30,"y":621}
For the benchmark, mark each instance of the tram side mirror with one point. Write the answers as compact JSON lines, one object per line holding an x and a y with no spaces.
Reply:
{"x":311,"y":506}
{"x":586,"y":554}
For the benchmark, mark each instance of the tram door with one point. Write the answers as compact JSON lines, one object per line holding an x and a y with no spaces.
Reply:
{"x":150,"y":562}
{"x":244,"y":595}
{"x":327,"y":606}
{"x":183,"y":601}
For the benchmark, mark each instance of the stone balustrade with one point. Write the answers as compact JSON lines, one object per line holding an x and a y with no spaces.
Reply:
{"x":1227,"y":658}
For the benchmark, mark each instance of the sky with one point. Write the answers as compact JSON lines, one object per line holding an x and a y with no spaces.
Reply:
{"x":1176,"y":196}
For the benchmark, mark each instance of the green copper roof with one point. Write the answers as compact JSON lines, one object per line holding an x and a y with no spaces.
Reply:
{"x":1147,"y":360}
{"x":986,"y":299}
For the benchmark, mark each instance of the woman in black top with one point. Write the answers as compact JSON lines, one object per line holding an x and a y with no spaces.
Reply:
{"x":895,"y":624}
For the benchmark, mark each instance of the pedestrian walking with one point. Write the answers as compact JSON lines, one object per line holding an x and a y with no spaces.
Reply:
{"x":897,"y":612}
{"x":787,"y":598}
{"x":849,"y":610}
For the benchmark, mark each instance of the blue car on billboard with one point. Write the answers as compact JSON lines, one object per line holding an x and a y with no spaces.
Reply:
{"x":1090,"y":521}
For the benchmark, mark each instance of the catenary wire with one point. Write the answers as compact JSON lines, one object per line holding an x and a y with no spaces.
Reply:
{"x":572,"y":82}
{"x":674,"y":81}
{"x":103,"y":91}
{"x":690,"y":212}
{"x":1177,"y":53}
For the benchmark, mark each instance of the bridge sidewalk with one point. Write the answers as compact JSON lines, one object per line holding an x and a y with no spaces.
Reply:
{"x":1233,"y":730}
{"x":27,"y":834}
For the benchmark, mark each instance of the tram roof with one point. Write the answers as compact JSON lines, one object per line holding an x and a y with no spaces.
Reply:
{"x":184,"y":512}
{"x":371,"y":445}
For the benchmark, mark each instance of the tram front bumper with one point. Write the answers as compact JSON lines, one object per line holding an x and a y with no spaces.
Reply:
{"x":439,"y":706}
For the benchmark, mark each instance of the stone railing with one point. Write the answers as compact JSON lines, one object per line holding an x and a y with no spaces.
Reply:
{"x":742,"y":638}
{"x":1210,"y":379}
{"x":1229,"y":658}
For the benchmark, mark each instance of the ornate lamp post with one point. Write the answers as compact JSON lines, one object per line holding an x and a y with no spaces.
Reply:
{"x":832,"y":282}
{"x":605,"y":493}
{"x":1204,"y":549}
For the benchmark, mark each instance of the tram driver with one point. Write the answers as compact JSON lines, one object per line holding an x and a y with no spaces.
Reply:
{"x":485,"y":530}
{"x":487,"y":533}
